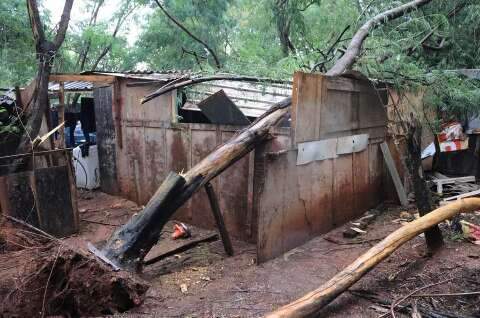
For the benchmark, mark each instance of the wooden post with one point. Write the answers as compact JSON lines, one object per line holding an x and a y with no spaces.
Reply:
{"x":227,"y":244}
{"x":61,"y":115}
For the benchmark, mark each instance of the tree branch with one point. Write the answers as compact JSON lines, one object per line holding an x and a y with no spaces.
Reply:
{"x":192,"y":81}
{"x":354,"y":49}
{"x":63,"y":25}
{"x":181,"y":26}
{"x":35,"y":22}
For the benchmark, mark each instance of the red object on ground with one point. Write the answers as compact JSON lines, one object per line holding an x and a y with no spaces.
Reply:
{"x":180,"y":231}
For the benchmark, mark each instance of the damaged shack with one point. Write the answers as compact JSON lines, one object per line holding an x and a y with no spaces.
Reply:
{"x":326,"y":154}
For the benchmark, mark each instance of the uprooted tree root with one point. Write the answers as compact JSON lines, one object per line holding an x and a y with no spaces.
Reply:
{"x":40,"y":277}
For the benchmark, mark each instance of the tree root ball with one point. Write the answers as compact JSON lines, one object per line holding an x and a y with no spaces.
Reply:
{"x":41,"y":277}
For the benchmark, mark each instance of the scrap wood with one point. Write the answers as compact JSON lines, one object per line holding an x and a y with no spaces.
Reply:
{"x":182,"y":248}
{"x":311,"y":304}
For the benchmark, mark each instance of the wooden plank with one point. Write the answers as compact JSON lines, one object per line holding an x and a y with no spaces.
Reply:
{"x":271,"y":210}
{"x":308,"y":106}
{"x":80,"y":77}
{"x":387,"y":156}
{"x":233,"y":195}
{"x":157,"y":253}
{"x":344,"y":196}
{"x":203,"y":143}
{"x":54,"y":200}
{"x":106,"y":140}
{"x":178,"y":158}
{"x":61,"y":115}
{"x":155,"y":163}
{"x":361,"y":184}
{"x":222,"y":229}
{"x":461,"y":196}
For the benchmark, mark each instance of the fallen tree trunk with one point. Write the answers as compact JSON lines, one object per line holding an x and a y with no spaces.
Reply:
{"x":311,"y":304}
{"x":130,"y":243}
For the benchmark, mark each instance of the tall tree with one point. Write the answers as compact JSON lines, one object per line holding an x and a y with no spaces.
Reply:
{"x":46,"y":50}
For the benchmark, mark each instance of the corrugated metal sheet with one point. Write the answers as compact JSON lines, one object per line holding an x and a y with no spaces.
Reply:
{"x":253,"y":99}
{"x":76,"y":86}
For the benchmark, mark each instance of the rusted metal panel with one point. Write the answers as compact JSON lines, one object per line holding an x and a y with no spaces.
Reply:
{"x":329,"y":107}
{"x":203,"y":142}
{"x":178,"y":159}
{"x":233,"y":195}
{"x":155,"y":161}
{"x":294,"y":203}
{"x":343,"y":197}
{"x":306,"y":107}
{"x":220,"y":109}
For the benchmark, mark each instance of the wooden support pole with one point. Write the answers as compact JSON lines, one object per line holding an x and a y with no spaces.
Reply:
{"x":61,"y":115}
{"x":227,"y":244}
{"x":311,"y":304}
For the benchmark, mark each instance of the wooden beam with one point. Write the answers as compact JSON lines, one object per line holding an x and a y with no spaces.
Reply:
{"x":80,"y":77}
{"x":212,"y":198}
{"x":402,"y":196}
{"x":61,"y":115}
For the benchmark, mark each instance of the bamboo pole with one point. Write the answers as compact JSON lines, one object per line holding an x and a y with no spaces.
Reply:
{"x":311,"y":304}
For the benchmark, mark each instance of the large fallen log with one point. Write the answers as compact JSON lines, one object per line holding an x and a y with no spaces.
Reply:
{"x":130,"y":243}
{"x":311,"y":304}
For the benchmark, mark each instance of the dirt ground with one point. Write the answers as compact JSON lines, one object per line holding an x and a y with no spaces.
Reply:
{"x":203,"y":282}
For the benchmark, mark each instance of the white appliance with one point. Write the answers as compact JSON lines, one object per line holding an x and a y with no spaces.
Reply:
{"x":86,"y":168}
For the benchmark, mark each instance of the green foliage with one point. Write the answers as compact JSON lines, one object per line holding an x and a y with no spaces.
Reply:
{"x":16,"y":44}
{"x":452,"y":96}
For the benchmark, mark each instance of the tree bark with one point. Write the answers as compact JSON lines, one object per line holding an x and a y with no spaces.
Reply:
{"x":355,"y":46}
{"x":46,"y":51}
{"x":423,"y":199}
{"x":311,"y":304}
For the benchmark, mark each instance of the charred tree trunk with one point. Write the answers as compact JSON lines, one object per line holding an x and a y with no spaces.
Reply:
{"x":423,"y":199}
{"x":46,"y":51}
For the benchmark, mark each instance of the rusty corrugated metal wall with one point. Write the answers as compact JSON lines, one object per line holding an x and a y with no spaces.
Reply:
{"x":149,"y":145}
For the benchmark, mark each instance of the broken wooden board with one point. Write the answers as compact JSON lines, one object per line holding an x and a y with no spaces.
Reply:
{"x":442,"y":181}
{"x":387,"y":156}
{"x":220,"y":110}
{"x":166,"y":246}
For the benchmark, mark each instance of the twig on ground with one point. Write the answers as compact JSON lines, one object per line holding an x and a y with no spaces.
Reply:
{"x":449,"y":294}
{"x":396,"y":303}
{"x":48,"y":280}
{"x":99,"y":222}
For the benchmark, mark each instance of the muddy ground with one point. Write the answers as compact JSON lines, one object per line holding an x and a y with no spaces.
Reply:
{"x":203,"y":282}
